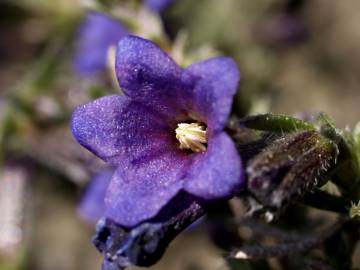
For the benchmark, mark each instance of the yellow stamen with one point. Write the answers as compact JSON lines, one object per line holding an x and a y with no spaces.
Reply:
{"x":192,"y":136}
{"x":354,"y":210}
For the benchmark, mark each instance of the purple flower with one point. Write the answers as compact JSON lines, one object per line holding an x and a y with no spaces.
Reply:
{"x":159,"y":5}
{"x":165,"y":135}
{"x":97,"y":34}
{"x":92,"y":206}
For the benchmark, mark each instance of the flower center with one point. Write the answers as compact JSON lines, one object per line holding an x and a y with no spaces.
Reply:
{"x":192,"y":136}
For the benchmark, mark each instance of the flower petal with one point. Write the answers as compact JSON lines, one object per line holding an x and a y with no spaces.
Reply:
{"x":148,"y":75}
{"x":117,"y":129}
{"x":214,"y":86}
{"x":216,"y":173}
{"x":139,"y":191}
{"x":96,"y":35}
{"x":92,"y":206}
{"x":159,"y":5}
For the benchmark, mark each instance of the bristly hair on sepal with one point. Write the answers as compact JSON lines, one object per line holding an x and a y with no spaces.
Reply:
{"x":287,"y":168}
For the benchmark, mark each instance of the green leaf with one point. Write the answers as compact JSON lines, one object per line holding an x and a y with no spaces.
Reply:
{"x":275,"y":123}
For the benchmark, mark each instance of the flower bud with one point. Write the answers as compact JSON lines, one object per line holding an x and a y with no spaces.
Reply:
{"x":288,"y":167}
